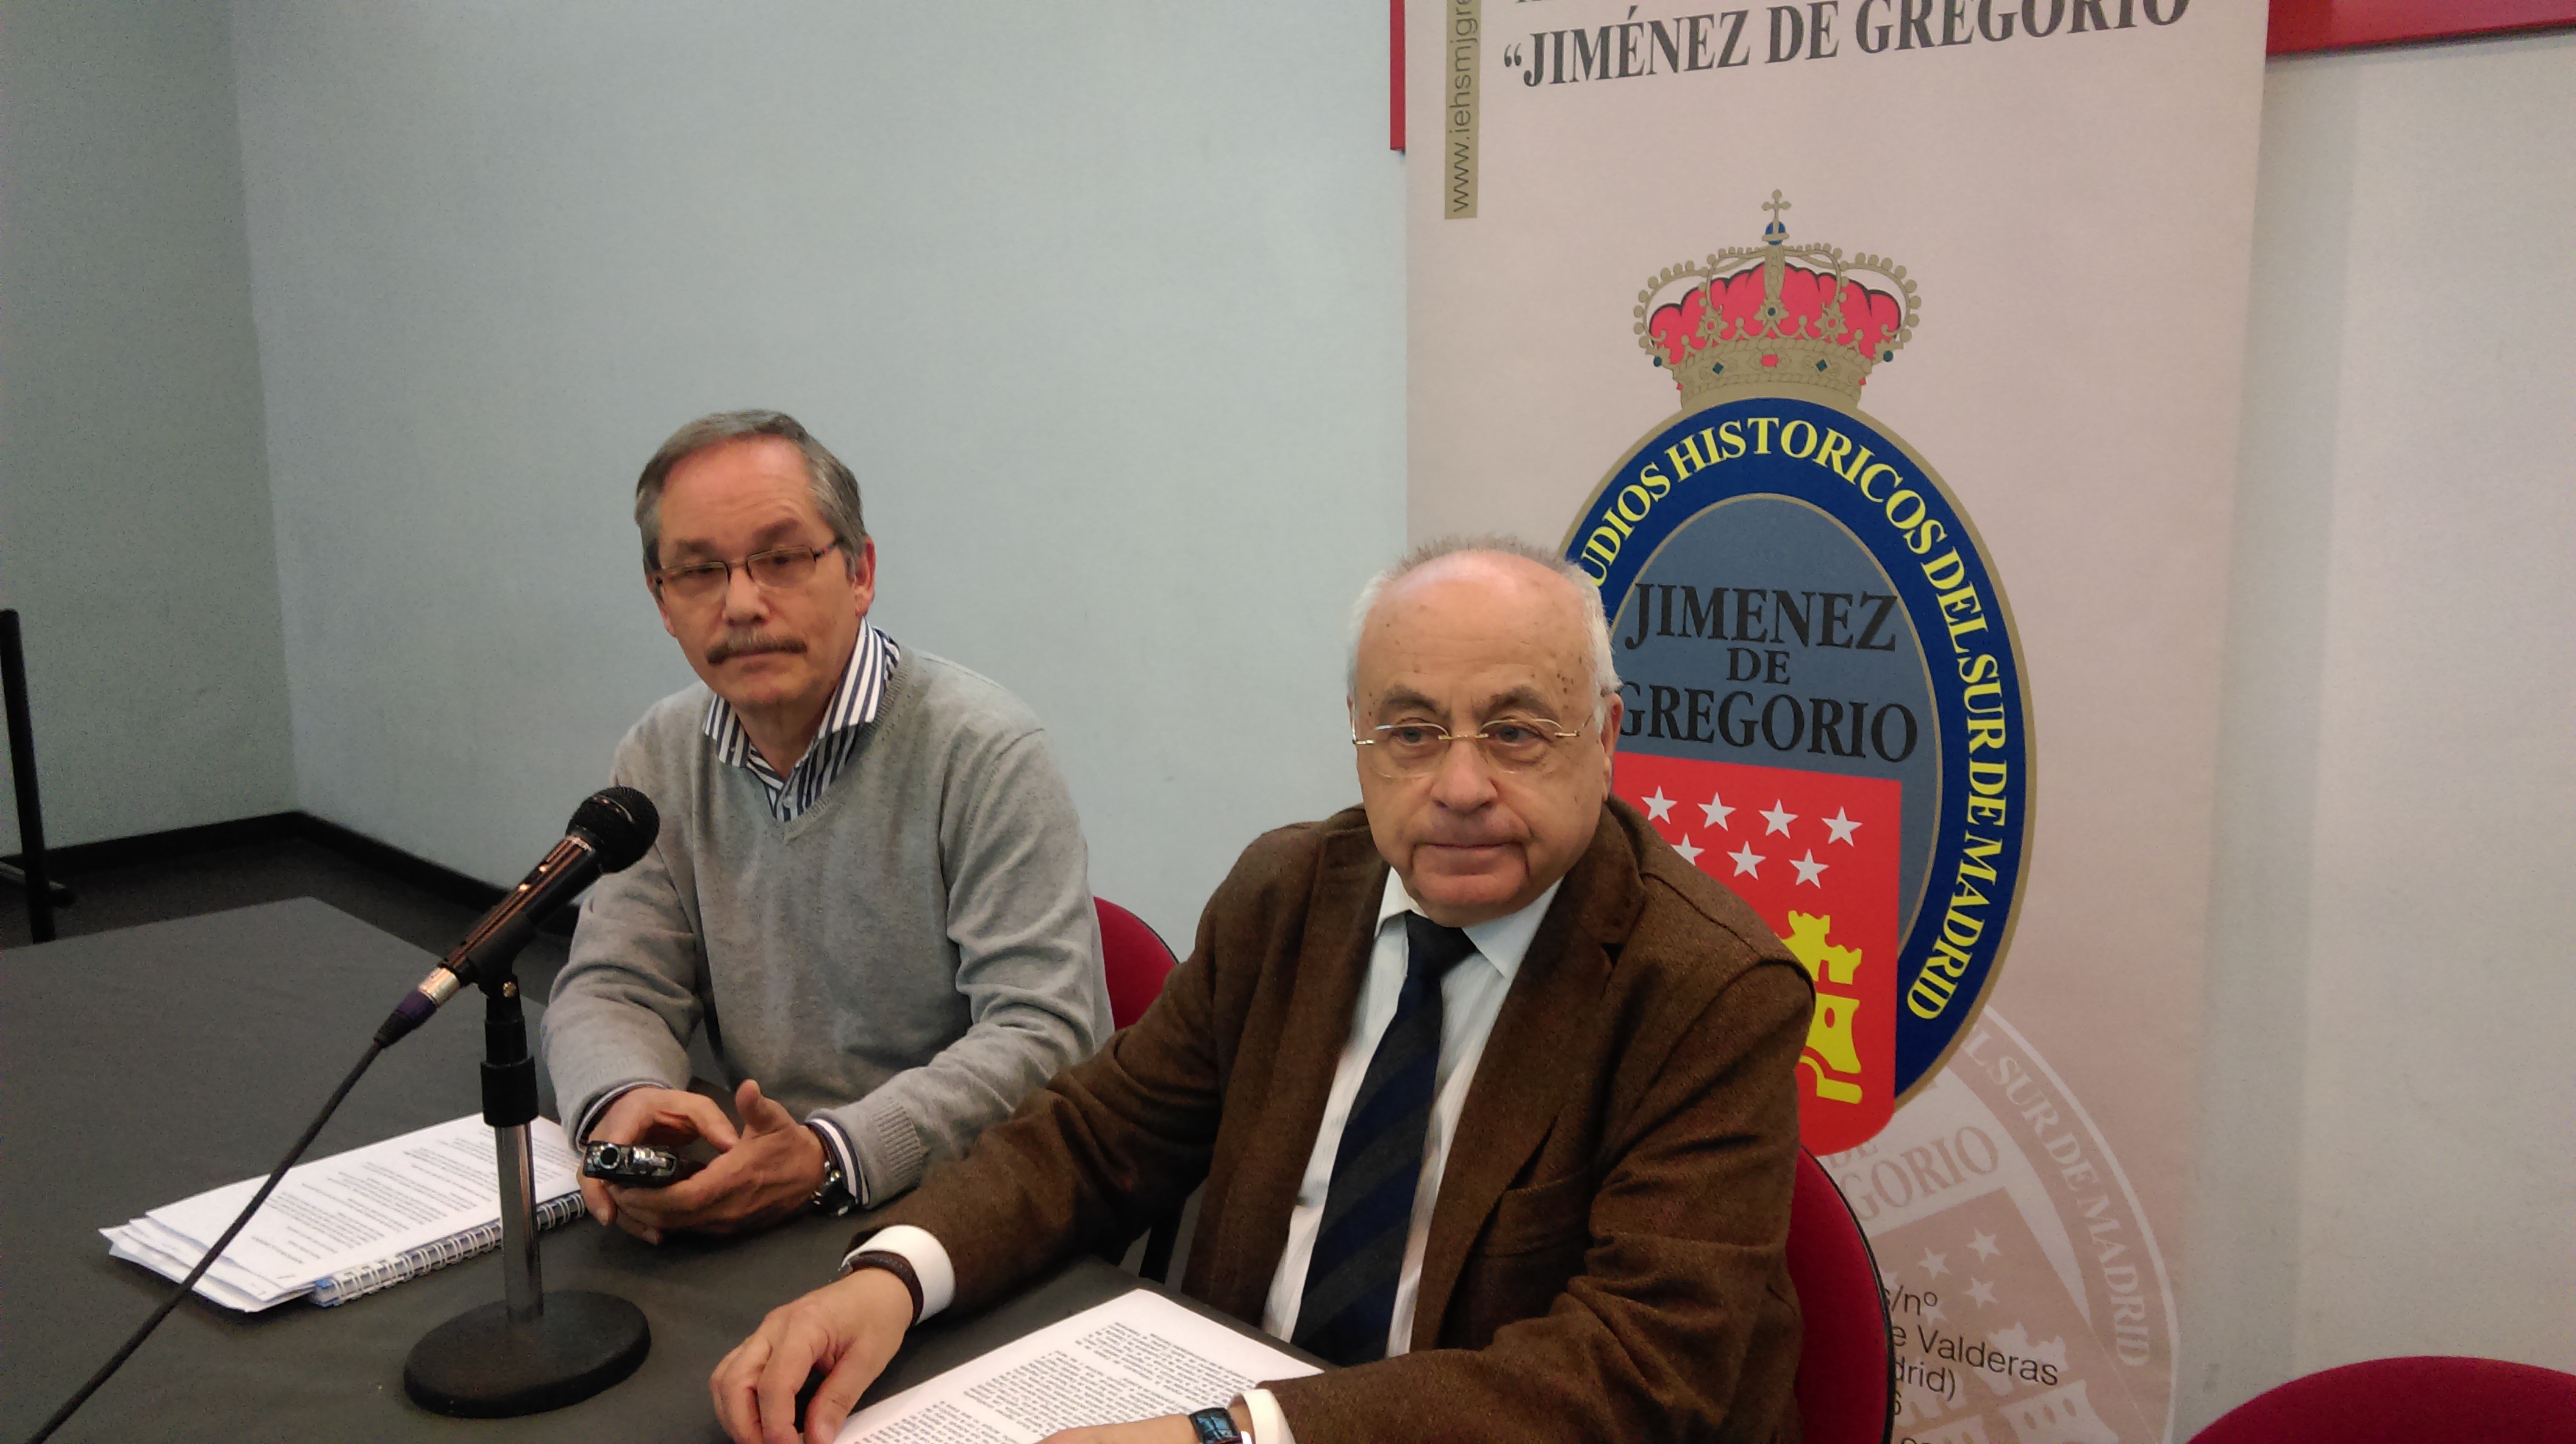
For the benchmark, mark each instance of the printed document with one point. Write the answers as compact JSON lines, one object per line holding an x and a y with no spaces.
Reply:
{"x":342,"y":1215}
{"x":1134,"y":1357}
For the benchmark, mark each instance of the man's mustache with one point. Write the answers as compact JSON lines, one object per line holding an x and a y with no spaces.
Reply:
{"x":743,"y":644}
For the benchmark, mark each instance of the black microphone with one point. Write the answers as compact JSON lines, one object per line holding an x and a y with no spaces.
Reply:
{"x":608,"y":832}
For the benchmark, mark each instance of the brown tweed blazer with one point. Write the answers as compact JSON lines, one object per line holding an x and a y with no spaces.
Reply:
{"x":1605,"y":1256}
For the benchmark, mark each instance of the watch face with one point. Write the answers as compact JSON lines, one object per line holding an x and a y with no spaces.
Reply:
{"x":834,"y":1193}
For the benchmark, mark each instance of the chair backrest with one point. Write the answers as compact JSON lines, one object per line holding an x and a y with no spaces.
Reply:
{"x":1136,"y":959}
{"x":1847,"y":1366}
{"x":2421,"y":1399}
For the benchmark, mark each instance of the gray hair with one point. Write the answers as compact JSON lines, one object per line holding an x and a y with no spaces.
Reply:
{"x":836,"y":491}
{"x":1605,"y":671}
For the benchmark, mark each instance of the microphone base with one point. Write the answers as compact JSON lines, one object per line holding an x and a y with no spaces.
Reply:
{"x":480,"y":1365}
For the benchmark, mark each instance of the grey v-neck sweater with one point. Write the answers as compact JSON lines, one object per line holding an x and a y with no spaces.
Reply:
{"x":907,"y":957}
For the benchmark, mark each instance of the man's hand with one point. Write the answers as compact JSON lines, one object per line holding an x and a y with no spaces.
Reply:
{"x":764,"y":1174}
{"x":847,"y":1329}
{"x":663,"y":1117}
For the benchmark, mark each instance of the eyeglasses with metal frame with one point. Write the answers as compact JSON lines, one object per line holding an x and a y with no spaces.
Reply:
{"x":1416,"y":749}
{"x":775,"y":570}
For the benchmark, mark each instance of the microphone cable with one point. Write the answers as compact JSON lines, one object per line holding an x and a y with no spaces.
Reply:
{"x":117,"y":1360}
{"x":609,"y":832}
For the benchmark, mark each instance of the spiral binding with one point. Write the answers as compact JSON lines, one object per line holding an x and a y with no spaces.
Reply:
{"x":437,"y":1254}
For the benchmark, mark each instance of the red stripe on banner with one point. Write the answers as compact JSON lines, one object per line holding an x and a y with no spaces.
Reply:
{"x":1395,"y":75}
{"x":2304,"y":25}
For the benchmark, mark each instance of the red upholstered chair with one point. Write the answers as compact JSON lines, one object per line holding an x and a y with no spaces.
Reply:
{"x":1847,"y":1366}
{"x":1136,"y":960}
{"x":2423,"y":1399}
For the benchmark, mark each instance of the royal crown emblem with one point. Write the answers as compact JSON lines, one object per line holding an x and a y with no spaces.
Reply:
{"x":1775,"y":315}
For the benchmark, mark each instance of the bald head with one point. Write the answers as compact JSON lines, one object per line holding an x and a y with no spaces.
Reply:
{"x":1457,"y":551}
{"x":1483,"y":601}
{"x":1488,"y":639}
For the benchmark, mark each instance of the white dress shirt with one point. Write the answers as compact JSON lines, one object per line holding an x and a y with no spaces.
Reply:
{"x":1471,"y":997}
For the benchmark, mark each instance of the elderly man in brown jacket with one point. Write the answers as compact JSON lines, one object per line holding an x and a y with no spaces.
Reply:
{"x":1493,"y":1095}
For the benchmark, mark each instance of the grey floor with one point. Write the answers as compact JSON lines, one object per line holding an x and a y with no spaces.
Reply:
{"x":235,"y":877}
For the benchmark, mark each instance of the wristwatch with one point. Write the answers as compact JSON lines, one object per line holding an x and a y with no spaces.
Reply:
{"x":893,"y":1263}
{"x":1215,"y":1426}
{"x":836,"y":1195}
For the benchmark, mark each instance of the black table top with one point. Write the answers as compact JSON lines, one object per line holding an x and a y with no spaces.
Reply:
{"x":142,"y":1066}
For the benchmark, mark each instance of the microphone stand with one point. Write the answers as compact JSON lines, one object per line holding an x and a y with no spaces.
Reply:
{"x":531,"y":1351}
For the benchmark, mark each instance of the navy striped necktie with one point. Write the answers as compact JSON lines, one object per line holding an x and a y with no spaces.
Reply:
{"x":1349,"y":1300}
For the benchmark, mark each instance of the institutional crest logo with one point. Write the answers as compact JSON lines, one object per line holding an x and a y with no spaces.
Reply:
{"x":1825,"y":698}
{"x":2026,"y":1294}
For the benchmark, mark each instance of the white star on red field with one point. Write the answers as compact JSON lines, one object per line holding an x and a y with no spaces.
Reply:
{"x":1689,"y":853}
{"x":1658,"y":805}
{"x":1716,"y":811}
{"x":1779,"y":817}
{"x":1841,"y":826}
{"x":1747,"y":861}
{"x":1809,"y":869}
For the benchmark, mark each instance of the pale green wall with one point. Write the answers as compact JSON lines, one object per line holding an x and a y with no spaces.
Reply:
{"x":134,"y":509}
{"x":1103,"y":303}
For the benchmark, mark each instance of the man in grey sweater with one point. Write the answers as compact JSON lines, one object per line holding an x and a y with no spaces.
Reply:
{"x":870,"y":887}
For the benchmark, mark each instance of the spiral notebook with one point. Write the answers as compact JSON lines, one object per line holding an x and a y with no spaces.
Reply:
{"x":353,"y":1223}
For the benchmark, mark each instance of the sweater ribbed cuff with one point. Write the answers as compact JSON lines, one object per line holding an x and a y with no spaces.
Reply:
{"x":892,"y":1156}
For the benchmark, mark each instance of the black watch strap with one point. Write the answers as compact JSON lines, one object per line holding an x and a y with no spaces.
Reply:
{"x":893,"y":1263}
{"x":1215,"y":1426}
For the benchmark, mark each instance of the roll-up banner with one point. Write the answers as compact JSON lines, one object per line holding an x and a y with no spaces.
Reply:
{"x":1880,"y":363}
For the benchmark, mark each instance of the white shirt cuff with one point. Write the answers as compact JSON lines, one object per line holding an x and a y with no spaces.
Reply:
{"x":1269,"y":1426}
{"x":929,"y":1260}
{"x":839,"y":1142}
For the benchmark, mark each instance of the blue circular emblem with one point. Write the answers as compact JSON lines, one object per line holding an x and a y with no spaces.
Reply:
{"x":1825,"y":710}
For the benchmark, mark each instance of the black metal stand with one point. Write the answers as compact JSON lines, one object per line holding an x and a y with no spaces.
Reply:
{"x":530,"y":1352}
{"x":42,"y":894}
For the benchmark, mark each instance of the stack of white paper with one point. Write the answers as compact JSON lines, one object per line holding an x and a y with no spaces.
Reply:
{"x":353,"y":1222}
{"x":1137,"y":1356}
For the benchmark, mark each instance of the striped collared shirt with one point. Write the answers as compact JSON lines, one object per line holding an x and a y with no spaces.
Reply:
{"x":853,"y":706}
